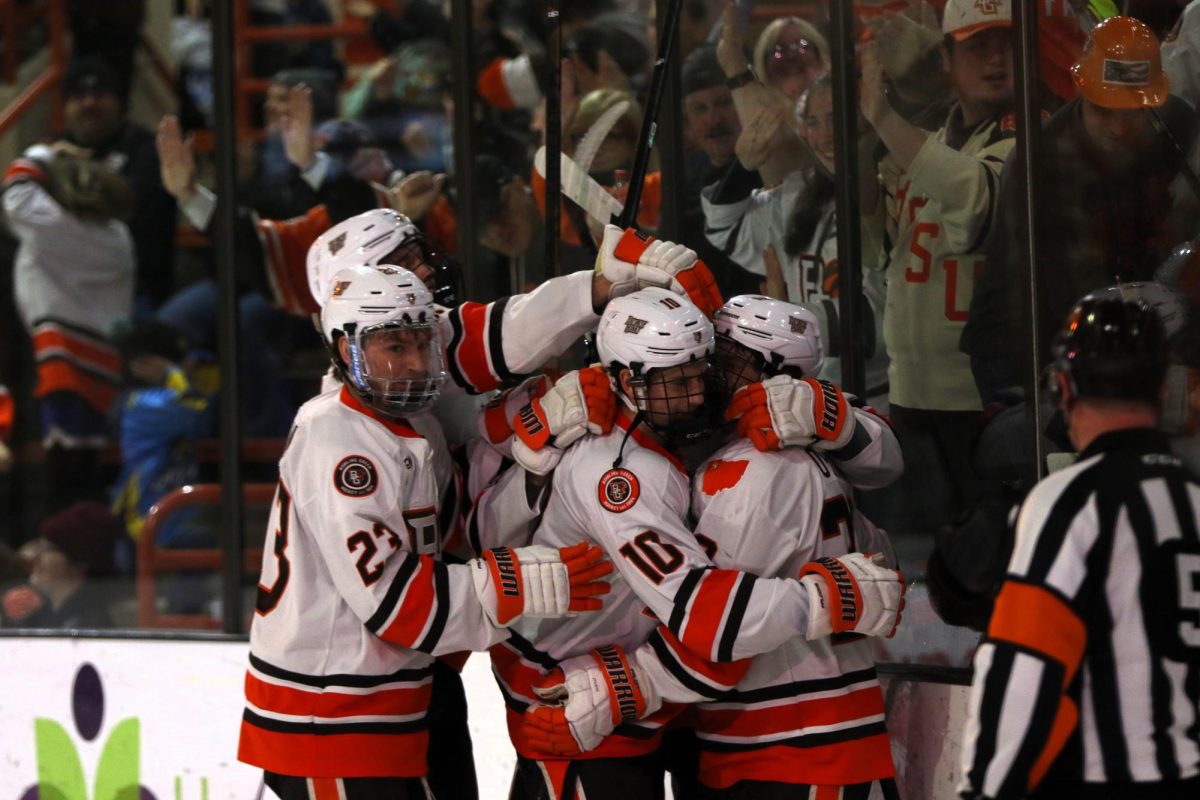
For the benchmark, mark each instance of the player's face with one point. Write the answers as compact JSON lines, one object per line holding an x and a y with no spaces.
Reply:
{"x":712,"y":122}
{"x":739,"y":365}
{"x":981,"y":71}
{"x":816,"y":124}
{"x":410,"y":256}
{"x":673,"y":393}
{"x":394,"y":354}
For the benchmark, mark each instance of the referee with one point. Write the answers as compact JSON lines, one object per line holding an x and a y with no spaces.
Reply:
{"x":1087,"y":684}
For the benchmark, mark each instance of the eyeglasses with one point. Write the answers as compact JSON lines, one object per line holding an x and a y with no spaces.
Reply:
{"x":794,"y":50}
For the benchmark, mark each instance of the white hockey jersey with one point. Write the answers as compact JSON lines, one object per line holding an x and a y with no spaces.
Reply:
{"x":665,"y":589}
{"x":939,"y":214}
{"x":809,"y":711}
{"x":352,"y":603}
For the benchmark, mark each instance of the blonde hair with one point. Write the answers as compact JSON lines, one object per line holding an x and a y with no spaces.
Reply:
{"x":597,"y":101}
{"x":766,"y":41}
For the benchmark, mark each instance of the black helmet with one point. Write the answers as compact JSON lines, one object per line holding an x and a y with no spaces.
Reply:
{"x":1111,"y":348}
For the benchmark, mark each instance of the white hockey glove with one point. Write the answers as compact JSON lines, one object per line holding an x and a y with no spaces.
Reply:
{"x":580,"y":402}
{"x":785,"y":412}
{"x":852,"y":594}
{"x":630,"y":260}
{"x":539,"y":581}
{"x":592,"y":695}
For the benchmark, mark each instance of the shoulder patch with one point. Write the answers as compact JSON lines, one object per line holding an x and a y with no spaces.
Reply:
{"x":720,"y":475}
{"x":619,"y":490}
{"x":355,"y":476}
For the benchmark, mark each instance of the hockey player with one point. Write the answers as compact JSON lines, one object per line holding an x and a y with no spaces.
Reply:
{"x":1085,"y":685}
{"x":351,"y":604}
{"x":772,"y":513}
{"x":629,"y":492}
{"x":808,"y":716}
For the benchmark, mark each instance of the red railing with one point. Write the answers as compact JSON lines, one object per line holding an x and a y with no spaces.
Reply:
{"x":153,"y":560}
{"x":15,"y":18}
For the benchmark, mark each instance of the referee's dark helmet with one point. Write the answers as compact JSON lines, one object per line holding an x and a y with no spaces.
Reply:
{"x":1110,"y":348}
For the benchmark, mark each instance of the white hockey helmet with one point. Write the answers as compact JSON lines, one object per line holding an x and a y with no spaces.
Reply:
{"x":786,"y":336}
{"x":387,"y":316}
{"x":667,"y":344}
{"x":652,"y":328}
{"x":380,"y":236}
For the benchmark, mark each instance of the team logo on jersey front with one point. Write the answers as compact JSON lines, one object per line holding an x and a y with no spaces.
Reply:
{"x":619,"y":490}
{"x":355,"y":476}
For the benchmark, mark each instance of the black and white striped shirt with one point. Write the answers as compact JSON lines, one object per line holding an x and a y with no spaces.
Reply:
{"x":1090,"y":671}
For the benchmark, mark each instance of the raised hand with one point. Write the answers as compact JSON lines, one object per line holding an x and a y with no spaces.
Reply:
{"x":298,"y":128}
{"x":176,"y":161}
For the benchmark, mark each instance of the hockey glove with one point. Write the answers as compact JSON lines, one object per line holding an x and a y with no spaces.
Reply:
{"x":539,"y":581}
{"x":580,"y":402}
{"x":785,"y":412}
{"x":593,"y":694}
{"x":631,"y":261}
{"x":852,"y":594}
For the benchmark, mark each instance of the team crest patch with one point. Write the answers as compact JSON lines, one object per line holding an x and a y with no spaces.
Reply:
{"x":355,"y":476}
{"x":797,"y":324}
{"x":619,"y":490}
{"x":634,"y":325}
{"x":339,"y":287}
{"x":337,"y":243}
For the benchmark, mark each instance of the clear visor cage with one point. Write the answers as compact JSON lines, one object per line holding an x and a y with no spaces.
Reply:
{"x":397,"y":367}
{"x":681,"y":403}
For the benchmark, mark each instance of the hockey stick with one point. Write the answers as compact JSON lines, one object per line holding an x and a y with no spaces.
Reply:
{"x":658,"y":82}
{"x":585,"y":154}
{"x":581,"y":188}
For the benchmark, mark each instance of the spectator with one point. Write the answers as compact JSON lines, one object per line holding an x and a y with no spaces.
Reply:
{"x":1106,"y":207}
{"x":510,"y":218}
{"x":69,"y":578}
{"x":162,"y":413}
{"x":270,"y":183}
{"x":939,"y":201}
{"x":711,"y":128}
{"x":402,"y":99}
{"x":788,"y":236}
{"x":760,"y":98}
{"x":1181,"y":55}
{"x":110,"y":31}
{"x":610,"y":51}
{"x":96,"y":122}
{"x":74,"y":277}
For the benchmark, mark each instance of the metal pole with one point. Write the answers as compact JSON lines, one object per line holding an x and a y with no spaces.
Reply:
{"x":849,"y":244}
{"x":1028,"y":133}
{"x":670,"y":136}
{"x":553,"y":123}
{"x":232,"y":536}
{"x":466,"y":141}
{"x":658,"y":82}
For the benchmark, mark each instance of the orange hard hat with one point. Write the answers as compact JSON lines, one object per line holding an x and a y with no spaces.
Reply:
{"x":1121,"y":66}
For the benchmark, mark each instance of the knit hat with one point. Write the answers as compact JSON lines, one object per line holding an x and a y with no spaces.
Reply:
{"x":91,"y":75}
{"x":701,"y":70}
{"x":87,"y":533}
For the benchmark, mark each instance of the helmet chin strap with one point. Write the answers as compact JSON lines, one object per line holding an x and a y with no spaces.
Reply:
{"x":637,"y":420}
